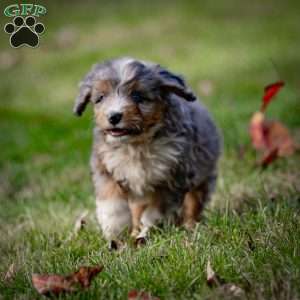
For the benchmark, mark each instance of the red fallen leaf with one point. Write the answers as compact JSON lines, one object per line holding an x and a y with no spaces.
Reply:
{"x":278,"y":136}
{"x":256,"y":131}
{"x":270,"y":92}
{"x":269,"y":158}
{"x":57,"y":284}
{"x":270,"y":137}
{"x":140,"y":295}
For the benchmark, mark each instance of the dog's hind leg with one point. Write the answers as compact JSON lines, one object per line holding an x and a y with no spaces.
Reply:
{"x":151,"y":216}
{"x":194,"y":202}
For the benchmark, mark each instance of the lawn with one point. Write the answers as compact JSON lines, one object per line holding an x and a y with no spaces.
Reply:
{"x":228,"y":51}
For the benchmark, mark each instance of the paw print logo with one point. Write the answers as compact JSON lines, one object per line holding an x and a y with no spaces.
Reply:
{"x":24,"y":31}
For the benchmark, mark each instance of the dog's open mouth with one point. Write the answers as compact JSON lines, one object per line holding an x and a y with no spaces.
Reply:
{"x":121,"y":131}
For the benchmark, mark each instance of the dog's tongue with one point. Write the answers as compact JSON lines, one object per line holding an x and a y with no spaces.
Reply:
{"x":118,"y":132}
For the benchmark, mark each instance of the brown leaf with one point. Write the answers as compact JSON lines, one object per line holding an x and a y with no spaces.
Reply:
{"x":271,"y":138}
{"x":232,"y":290}
{"x":57,"y":284}
{"x":212,"y":279}
{"x":268,"y":158}
{"x":210,"y":275}
{"x":79,"y":225}
{"x":278,"y":136}
{"x":256,"y":131}
{"x":52,"y":284}
{"x":80,"y":222}
{"x":11,"y":272}
{"x":85,"y":275}
{"x":140,"y":295}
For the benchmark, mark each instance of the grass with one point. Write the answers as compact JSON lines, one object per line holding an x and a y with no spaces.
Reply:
{"x":251,"y":230}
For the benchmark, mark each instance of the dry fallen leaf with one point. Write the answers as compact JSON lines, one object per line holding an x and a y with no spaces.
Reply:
{"x":270,"y":137}
{"x":11,"y":272}
{"x":52,"y":284}
{"x":268,"y":158}
{"x":80,"y":222}
{"x":232,"y":290}
{"x":85,"y":275}
{"x":140,"y":295}
{"x":214,"y":280}
{"x":57,"y":284}
{"x":256,"y":131}
{"x":278,"y":136}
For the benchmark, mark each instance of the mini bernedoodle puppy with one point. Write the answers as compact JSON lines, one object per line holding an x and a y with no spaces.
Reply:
{"x":155,"y":147}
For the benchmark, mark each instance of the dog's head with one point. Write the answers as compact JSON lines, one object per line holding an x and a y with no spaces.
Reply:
{"x":129,"y":97}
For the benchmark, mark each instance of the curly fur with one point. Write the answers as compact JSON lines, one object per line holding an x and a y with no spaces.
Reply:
{"x":165,"y":147}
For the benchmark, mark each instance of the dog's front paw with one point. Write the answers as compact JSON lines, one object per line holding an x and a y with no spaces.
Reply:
{"x":190,"y":225}
{"x":135,"y":233}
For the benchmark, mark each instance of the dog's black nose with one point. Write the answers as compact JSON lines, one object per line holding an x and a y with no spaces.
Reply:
{"x":115,"y":118}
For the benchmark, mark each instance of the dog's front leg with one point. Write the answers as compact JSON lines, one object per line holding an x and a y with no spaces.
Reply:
{"x":146,"y":213}
{"x":112,"y":209}
{"x":137,"y":209}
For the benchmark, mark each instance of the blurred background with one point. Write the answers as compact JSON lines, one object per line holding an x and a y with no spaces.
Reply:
{"x":228,"y":51}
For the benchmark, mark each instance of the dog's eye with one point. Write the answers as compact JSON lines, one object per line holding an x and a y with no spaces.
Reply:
{"x":99,"y":98}
{"x":137,"y":97}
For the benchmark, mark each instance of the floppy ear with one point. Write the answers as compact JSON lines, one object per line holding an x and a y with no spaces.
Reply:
{"x":82,"y":99}
{"x":85,"y":90}
{"x":171,"y":83}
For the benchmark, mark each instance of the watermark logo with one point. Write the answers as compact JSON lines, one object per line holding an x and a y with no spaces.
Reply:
{"x":24,"y":30}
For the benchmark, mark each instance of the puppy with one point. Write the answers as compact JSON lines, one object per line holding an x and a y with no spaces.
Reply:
{"x":155,"y":147}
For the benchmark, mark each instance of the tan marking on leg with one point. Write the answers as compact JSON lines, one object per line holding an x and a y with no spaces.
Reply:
{"x":147,"y":214}
{"x":137,"y":210}
{"x":193,"y":205}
